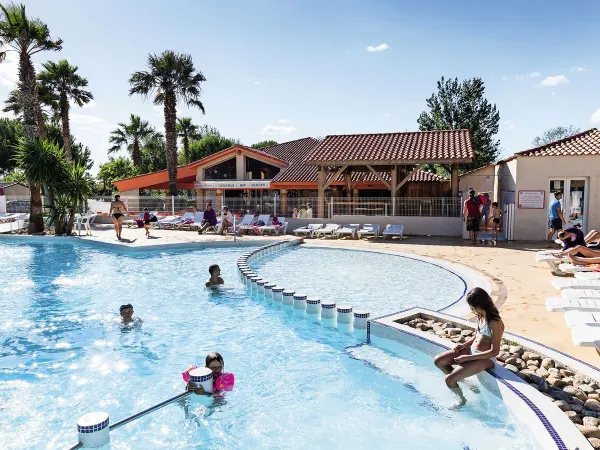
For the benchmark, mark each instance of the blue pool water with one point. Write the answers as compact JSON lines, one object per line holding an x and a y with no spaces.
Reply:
{"x":298,"y":384}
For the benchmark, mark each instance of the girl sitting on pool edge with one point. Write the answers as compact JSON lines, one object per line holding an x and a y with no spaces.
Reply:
{"x":222,"y":381}
{"x":478,"y":353}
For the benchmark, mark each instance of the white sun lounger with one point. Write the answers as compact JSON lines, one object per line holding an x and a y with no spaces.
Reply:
{"x":587,"y":335}
{"x":309,"y":230}
{"x":271,"y":228}
{"x":564,"y":304}
{"x":568,"y":267}
{"x":198,"y":218}
{"x":248,"y":226}
{"x":369,"y":230}
{"x":13,"y":217}
{"x":394,"y":230}
{"x":347,"y":229}
{"x":587,"y":275}
{"x":328,"y":229}
{"x":574,"y":318}
{"x":575,"y":283}
{"x":539,"y":256}
{"x":15,"y":225}
{"x":581,"y":293}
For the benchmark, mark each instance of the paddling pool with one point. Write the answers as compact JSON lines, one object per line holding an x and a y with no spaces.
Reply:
{"x":299,"y":384}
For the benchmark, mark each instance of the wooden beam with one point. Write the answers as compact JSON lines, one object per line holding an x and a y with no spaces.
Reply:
{"x":379,"y":177}
{"x":405,"y":179}
{"x":334,"y":177}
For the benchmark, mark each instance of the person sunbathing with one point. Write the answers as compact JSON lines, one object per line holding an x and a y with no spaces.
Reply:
{"x":215,"y":276}
{"x":584,"y":261}
{"x":580,"y":251}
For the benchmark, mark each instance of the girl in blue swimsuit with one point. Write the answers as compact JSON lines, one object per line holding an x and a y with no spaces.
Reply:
{"x":479,"y":353}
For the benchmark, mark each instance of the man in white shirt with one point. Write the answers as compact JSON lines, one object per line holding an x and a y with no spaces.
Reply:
{"x":226,"y":220}
{"x":308,"y":211}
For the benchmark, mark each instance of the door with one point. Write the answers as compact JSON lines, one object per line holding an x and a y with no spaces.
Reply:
{"x":574,"y":201}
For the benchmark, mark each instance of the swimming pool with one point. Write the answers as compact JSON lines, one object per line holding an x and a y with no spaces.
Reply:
{"x":298,"y":384}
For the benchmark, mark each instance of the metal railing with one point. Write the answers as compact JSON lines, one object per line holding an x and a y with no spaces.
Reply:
{"x":395,"y":206}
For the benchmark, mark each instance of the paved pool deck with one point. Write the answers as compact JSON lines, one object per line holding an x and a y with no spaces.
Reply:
{"x":520,"y":283}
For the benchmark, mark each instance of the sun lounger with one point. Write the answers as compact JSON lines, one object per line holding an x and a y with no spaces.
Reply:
{"x":369,"y":230}
{"x":179,"y":222}
{"x":574,"y":318}
{"x":575,"y":283}
{"x":587,"y":275}
{"x":539,"y":256}
{"x":347,"y":229}
{"x":273,"y":228}
{"x":13,"y":217}
{"x":328,"y":229}
{"x":587,"y":335}
{"x":249,"y":227}
{"x":571,"y":268}
{"x":15,"y":225}
{"x":564,"y":304}
{"x":394,"y":230}
{"x":309,"y":230}
{"x":198,"y":218}
{"x":581,"y":293}
{"x":166,"y":221}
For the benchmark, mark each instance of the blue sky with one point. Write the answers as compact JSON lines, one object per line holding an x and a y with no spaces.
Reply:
{"x":283,"y":69}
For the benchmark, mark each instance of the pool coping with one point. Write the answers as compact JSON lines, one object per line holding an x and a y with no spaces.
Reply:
{"x":552,"y":428}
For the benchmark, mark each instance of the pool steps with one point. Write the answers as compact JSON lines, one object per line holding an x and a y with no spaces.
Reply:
{"x":300,"y":303}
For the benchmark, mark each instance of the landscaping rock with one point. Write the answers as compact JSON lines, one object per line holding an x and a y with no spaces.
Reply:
{"x":531,"y":355}
{"x":568,"y":380}
{"x":516,"y":349}
{"x":453,"y":331}
{"x":511,"y":360}
{"x":533,"y":363}
{"x":591,"y":421}
{"x":576,"y":401}
{"x":441,"y":333}
{"x":536,"y":387}
{"x":562,"y":405}
{"x":505,"y":348}
{"x":574,"y":417}
{"x":556,"y":382}
{"x":512,"y":368}
{"x":594,"y":396}
{"x":575,"y":392}
{"x":587,"y":388}
{"x":592,"y":404}
{"x":547,"y":363}
{"x":447,"y":325}
{"x":560,"y":395}
{"x":555,"y":373}
{"x":423,"y":327}
{"x":567,"y":373}
{"x":589,"y":432}
{"x":588,"y":413}
{"x":466,"y":332}
{"x":520,"y":363}
{"x":503,"y":356}
{"x":580,"y":379}
{"x":576,"y":408}
{"x":542,"y":372}
{"x":595,"y":443}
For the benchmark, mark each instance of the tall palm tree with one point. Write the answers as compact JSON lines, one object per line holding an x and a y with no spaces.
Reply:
{"x":49,"y":109}
{"x":170,"y":77}
{"x":131,"y":137}
{"x":186,"y":130}
{"x":27,"y":36}
{"x":62,"y":80}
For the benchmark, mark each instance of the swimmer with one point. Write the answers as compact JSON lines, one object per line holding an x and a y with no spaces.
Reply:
{"x":215,"y":276}
{"x":222,"y":381}
{"x":118,"y":211}
{"x":127,"y":317}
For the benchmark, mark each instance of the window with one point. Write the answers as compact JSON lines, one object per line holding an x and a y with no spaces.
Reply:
{"x":222,"y":171}
{"x":258,"y":170}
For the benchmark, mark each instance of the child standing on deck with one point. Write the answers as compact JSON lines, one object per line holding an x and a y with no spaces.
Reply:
{"x":496,"y":214}
{"x":147,"y":222}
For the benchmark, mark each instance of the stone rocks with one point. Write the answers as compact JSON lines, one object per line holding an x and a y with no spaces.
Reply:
{"x":557,"y":394}
{"x":503,"y":356}
{"x":591,"y":421}
{"x":533,"y":363}
{"x":577,"y":408}
{"x":516,"y":349}
{"x":595,"y":443}
{"x":589,"y":432}
{"x":564,"y":406}
{"x":466,"y":333}
{"x":542,"y":372}
{"x":576,"y":401}
{"x":588,"y":413}
{"x":453,"y":331}
{"x":574,"y":417}
{"x":592,"y":404}
{"x":423,"y":327}
{"x":441,"y":333}
{"x":587,"y":389}
{"x":447,"y":325}
{"x":575,"y":392}
{"x":512,"y":368}
{"x":554,"y":373}
{"x":511,"y":360}
{"x":594,"y":396}
{"x":556,"y":382}
{"x":505,"y":348}
{"x":547,"y":363}
{"x":567,"y":373}
{"x":530,"y":355}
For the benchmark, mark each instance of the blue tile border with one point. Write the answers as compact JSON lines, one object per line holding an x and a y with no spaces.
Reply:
{"x":92,"y":428}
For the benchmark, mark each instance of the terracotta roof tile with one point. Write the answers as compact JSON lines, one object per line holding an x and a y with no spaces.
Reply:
{"x":581,"y":144}
{"x":394,"y":148}
{"x":294,"y":153}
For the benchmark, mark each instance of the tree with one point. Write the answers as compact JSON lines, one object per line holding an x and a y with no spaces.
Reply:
{"x":62,"y":80}
{"x":16,"y":176}
{"x":10,"y":133}
{"x":48,"y":110}
{"x":81,"y":153}
{"x":555,"y":134}
{"x":131,"y":136}
{"x":207,"y":130}
{"x":76,"y":189}
{"x":208,"y":145}
{"x":27,"y":37}
{"x":171,"y":77}
{"x":186,"y":130}
{"x":462,"y":105}
{"x":263,"y":144}
{"x":115,"y":169}
{"x":153,"y":153}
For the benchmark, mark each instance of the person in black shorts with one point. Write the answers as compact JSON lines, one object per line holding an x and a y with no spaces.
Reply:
{"x":496,"y":214}
{"x":147,"y":222}
{"x":556,"y":218}
{"x":118,"y":211}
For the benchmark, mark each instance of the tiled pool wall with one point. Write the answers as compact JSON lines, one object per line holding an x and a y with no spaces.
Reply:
{"x":550,"y":426}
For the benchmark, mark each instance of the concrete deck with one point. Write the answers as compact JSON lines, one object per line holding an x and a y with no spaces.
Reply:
{"x":521,"y":284}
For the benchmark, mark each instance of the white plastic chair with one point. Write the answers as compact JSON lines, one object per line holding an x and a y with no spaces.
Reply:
{"x":83,"y":221}
{"x":394,"y":230}
{"x":308,"y":230}
{"x":369,"y":230}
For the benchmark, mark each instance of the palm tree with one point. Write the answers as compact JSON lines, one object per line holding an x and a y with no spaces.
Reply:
{"x":170,"y":77}
{"x":77,"y":188}
{"x":131,"y":137}
{"x":48,"y":110}
{"x":186,"y":130}
{"x":27,"y":37}
{"x":62,"y":80}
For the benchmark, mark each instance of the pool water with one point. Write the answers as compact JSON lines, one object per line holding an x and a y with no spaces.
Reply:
{"x":379,"y":282}
{"x":299,"y":384}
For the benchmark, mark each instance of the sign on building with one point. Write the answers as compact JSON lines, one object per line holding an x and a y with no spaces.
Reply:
{"x":232,"y":184}
{"x":532,"y":199}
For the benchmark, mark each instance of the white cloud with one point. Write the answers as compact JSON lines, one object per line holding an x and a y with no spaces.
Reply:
{"x":386,"y":115}
{"x":554,"y":81}
{"x":534,"y":75}
{"x":283,"y":121}
{"x":579,"y":69}
{"x":84,"y":119}
{"x":274,"y":129}
{"x":509,"y":124}
{"x":595,"y":118}
{"x":378,"y":48}
{"x":9,"y":70}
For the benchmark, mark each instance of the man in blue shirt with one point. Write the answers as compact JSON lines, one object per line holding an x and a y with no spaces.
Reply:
{"x":556,"y":219}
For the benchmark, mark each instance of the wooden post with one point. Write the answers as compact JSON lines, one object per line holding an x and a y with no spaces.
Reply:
{"x":394,"y":186}
{"x":454,"y":180}
{"x":321,"y":195}
{"x":283,"y":197}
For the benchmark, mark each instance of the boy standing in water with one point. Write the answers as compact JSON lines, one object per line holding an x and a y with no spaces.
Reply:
{"x":215,"y":276}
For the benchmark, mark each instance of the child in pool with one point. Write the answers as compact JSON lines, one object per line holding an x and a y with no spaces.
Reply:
{"x":222,"y":381}
{"x":215,"y":276}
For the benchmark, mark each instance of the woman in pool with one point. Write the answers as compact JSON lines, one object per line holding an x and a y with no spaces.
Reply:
{"x":222,"y":381}
{"x":118,"y":211}
{"x":478,"y":353}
